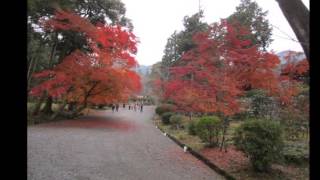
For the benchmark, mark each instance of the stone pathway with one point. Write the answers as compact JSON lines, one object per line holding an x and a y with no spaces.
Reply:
{"x":122,"y":145}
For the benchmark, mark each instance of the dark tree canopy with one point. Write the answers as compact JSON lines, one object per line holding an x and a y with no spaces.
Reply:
{"x":94,"y":10}
{"x":170,"y":51}
{"x":180,"y":42}
{"x":249,"y":14}
{"x":61,"y":43}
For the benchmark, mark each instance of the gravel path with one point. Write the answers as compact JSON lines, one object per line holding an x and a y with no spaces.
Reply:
{"x":116,"y":146}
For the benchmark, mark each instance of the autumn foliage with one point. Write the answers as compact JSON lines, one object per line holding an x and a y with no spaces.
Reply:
{"x":212,"y":76}
{"x":102,"y":75}
{"x":292,"y":75}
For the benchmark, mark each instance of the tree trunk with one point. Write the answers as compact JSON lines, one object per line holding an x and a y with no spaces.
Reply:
{"x":297,"y":15}
{"x":32,"y":66}
{"x":53,"y":51}
{"x":223,"y":138}
{"x":225,"y":125}
{"x":77,"y":111}
{"x":210,"y":137}
{"x":87,"y":94}
{"x":38,"y":105}
{"x":217,"y":137}
{"x":48,"y":106}
{"x":33,"y":63}
{"x":61,"y":108}
{"x":30,"y":71}
{"x":190,"y":116}
{"x":71,"y":106}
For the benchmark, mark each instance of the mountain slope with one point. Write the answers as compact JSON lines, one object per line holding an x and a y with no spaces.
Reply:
{"x":295,"y":56}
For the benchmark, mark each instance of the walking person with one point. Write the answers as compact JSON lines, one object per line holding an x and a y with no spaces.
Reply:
{"x":141,"y":107}
{"x":117,"y":107}
{"x":135,"y":107}
{"x":113,"y":107}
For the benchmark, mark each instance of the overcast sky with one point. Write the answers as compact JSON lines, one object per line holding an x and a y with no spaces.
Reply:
{"x":155,"y":20}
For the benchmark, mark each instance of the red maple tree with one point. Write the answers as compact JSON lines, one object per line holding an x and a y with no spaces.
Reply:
{"x":223,"y":65}
{"x":103,"y":75}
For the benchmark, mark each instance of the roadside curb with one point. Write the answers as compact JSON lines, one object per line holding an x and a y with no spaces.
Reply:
{"x":199,"y":156}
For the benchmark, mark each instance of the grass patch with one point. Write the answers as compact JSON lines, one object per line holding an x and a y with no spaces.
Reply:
{"x":296,"y":152}
{"x":181,"y":134}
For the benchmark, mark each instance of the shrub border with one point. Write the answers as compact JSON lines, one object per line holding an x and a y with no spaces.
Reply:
{"x":199,"y":156}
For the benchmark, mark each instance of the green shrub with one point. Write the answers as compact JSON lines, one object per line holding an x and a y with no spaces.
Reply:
{"x":241,"y":116}
{"x":165,"y":117}
{"x":164,"y":108}
{"x":262,"y":106}
{"x":176,"y":120}
{"x":261,"y":140}
{"x":208,"y":129}
{"x":159,"y":110}
{"x":192,"y":128}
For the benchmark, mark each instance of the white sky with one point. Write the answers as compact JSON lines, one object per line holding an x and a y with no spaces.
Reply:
{"x":155,"y":20}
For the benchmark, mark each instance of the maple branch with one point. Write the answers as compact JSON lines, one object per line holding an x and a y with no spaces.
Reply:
{"x":108,"y":88}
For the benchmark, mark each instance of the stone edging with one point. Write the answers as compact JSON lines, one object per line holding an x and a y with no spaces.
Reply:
{"x":200,"y":157}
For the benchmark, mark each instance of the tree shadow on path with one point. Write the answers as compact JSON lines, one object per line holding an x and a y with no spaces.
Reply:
{"x":95,"y":121}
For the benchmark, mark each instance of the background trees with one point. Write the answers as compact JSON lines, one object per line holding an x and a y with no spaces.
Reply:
{"x":227,"y":72}
{"x":211,"y":72}
{"x":181,"y":42}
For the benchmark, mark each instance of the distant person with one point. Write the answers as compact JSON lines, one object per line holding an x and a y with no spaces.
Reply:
{"x":124,"y":105}
{"x":129,"y":106}
{"x":141,"y":107}
{"x":113,"y":107}
{"x":117,"y":107}
{"x":135,"y":107}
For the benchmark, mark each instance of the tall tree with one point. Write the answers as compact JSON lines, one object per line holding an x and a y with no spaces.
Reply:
{"x":298,"y":16}
{"x":170,"y":51}
{"x":250,"y":15}
{"x":180,"y":42}
{"x":192,"y":25}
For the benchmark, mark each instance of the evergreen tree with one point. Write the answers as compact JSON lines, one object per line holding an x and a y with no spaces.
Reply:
{"x":250,"y":15}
